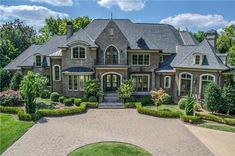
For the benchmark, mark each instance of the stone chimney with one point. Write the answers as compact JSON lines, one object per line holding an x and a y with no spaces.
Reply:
{"x":69,"y":29}
{"x":211,"y":37}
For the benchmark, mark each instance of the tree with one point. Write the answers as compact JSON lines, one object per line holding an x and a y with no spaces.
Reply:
{"x":199,"y":36}
{"x":92,"y":88}
{"x":31,"y":85}
{"x":213,"y":98}
{"x":126,"y":89}
{"x":158,"y":96}
{"x":15,"y":38}
{"x":4,"y":79}
{"x":228,"y":98}
{"x":189,"y":107}
{"x":15,"y":81}
{"x":231,"y":55}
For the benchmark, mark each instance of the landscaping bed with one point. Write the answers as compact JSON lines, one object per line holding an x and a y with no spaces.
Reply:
{"x":110,"y":149}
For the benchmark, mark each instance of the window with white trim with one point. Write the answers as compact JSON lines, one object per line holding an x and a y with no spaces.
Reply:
{"x":185,"y":84}
{"x":77,"y":82}
{"x":141,"y":82}
{"x":197,"y":59}
{"x":140,"y":59}
{"x":205,"y":81}
{"x":56,"y":73}
{"x":161,"y":59}
{"x":38,"y":60}
{"x":78,"y":52}
{"x":167,"y":82}
{"x":82,"y":80}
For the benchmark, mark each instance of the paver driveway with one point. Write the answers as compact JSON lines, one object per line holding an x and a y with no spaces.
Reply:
{"x":59,"y":136}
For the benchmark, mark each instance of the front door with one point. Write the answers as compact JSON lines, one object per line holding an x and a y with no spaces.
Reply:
{"x":111,"y":82}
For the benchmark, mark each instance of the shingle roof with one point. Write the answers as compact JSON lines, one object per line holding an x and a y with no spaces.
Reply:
{"x":57,"y":53}
{"x":187,"y":38}
{"x":184,"y":57}
{"x":166,"y":65}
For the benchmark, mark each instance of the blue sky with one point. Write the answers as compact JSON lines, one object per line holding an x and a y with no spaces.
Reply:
{"x":192,"y":14}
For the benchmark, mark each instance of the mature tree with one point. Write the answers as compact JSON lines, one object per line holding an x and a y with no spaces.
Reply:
{"x":4,"y":79}
{"x":15,"y":38}
{"x":31,"y":85}
{"x":231,"y":55}
{"x":226,"y":39}
{"x":15,"y":81}
{"x":228,"y":98}
{"x":200,"y":36}
{"x":213,"y":98}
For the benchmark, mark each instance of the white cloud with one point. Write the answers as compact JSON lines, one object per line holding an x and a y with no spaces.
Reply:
{"x":197,"y":21}
{"x":124,"y":5}
{"x":31,"y":15}
{"x":56,"y":2}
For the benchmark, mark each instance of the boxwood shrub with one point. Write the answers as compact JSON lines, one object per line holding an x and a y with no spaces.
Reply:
{"x":45,"y":93}
{"x":210,"y":117}
{"x":92,"y":99}
{"x":77,"y":101}
{"x":11,"y":110}
{"x":189,"y":118}
{"x":90,"y":104}
{"x":182,"y":103}
{"x":54,"y":96}
{"x":147,"y":100}
{"x":62,"y":98}
{"x":131,"y":104}
{"x":68,"y":102}
{"x":24,"y":116}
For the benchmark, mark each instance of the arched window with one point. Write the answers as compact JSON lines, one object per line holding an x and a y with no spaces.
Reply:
{"x":197,"y":59}
{"x":111,"y":55}
{"x":56,"y":73}
{"x":38,"y":59}
{"x":167,"y":82}
{"x":78,"y":52}
{"x":205,"y":79}
{"x":185,"y":84}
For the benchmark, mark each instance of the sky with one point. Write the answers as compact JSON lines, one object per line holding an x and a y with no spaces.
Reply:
{"x":193,"y":15}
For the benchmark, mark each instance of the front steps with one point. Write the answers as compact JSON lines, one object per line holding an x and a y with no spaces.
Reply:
{"x":111,"y":101}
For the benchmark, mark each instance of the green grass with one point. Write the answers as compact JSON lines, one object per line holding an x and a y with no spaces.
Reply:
{"x":110,"y":149}
{"x":172,"y":108}
{"x":11,"y":129}
{"x":217,"y":126}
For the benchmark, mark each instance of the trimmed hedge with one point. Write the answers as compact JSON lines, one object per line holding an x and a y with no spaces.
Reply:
{"x":62,"y":98}
{"x":24,"y":116}
{"x":68,"y":102}
{"x":77,"y":101}
{"x":11,"y":110}
{"x":190,"y":119}
{"x":92,"y":99}
{"x":54,"y":96}
{"x":157,"y":113}
{"x":131,"y":104}
{"x":182,"y":103}
{"x":90,"y":104}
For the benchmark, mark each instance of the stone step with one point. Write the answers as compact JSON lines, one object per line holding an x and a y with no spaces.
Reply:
{"x":111,"y":95}
{"x":111,"y":105}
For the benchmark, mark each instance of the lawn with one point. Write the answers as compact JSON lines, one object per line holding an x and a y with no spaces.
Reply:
{"x":110,"y":149}
{"x":11,"y":129}
{"x":172,"y":108}
{"x":217,"y":126}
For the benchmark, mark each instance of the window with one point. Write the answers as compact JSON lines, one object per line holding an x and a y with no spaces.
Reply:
{"x":70,"y":82}
{"x":161,"y":59}
{"x":76,"y":82}
{"x":111,"y":55}
{"x":185,"y":84}
{"x":197,"y":59}
{"x":167,"y":82}
{"x":205,"y":80}
{"x":56,"y":73}
{"x":38,"y":60}
{"x":141,"y":82}
{"x":140,"y":59}
{"x":78,"y":53}
{"x":82,"y":80}
{"x":48,"y":80}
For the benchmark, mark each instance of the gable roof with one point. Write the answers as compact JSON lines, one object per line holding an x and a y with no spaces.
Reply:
{"x":187,"y":38}
{"x":184,"y":57}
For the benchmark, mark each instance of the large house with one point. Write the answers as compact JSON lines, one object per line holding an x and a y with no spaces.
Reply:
{"x":112,"y":50}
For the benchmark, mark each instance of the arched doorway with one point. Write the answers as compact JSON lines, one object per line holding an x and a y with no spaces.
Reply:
{"x":111,"y":55}
{"x":111,"y":82}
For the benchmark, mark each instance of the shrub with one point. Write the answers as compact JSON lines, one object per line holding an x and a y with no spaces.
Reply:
{"x":10,"y":98}
{"x":131,"y":104}
{"x":15,"y":81}
{"x":157,"y":96}
{"x":182,"y":103}
{"x":228,"y":96}
{"x":11,"y":110}
{"x":90,"y":104}
{"x":189,"y":110}
{"x":213,"y":98}
{"x":92,"y":99}
{"x":62,"y":98}
{"x":147,"y":100}
{"x":197,"y":106}
{"x":229,"y":121}
{"x":210,"y":117}
{"x":4,"y":79}
{"x":126,"y":89}
{"x":24,"y":116}
{"x":54,"y":96}
{"x":131,"y":99}
{"x":68,"y":102}
{"x":77,"y":101}
{"x":44,"y":93}
{"x":189,"y":118}
{"x":92,"y":88}
{"x":166,"y":99}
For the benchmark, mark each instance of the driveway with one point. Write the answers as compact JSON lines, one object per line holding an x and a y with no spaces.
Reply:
{"x":60,"y":135}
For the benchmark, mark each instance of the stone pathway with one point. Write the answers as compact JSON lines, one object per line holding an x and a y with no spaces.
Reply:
{"x":59,"y":136}
{"x":219,"y":142}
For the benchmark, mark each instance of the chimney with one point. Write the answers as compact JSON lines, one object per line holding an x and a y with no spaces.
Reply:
{"x":69,"y":29}
{"x":211,"y":37}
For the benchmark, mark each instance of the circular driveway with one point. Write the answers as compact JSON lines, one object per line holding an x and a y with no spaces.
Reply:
{"x":59,"y":136}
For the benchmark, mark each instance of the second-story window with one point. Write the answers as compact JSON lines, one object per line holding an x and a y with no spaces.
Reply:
{"x":197,"y":59}
{"x":38,"y":60}
{"x":78,"y":53}
{"x":161,"y":59}
{"x":140,"y":59}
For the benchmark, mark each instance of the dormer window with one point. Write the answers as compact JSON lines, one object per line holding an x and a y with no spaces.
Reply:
{"x":78,"y":52}
{"x":38,"y":61}
{"x":161,"y":59}
{"x":197,"y":59}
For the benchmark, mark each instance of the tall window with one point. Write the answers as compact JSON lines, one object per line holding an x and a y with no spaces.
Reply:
{"x":167,"y":82}
{"x":78,"y":53}
{"x":161,"y":59}
{"x":70,"y":82}
{"x":141,"y":82}
{"x":205,"y":80}
{"x":197,"y":59}
{"x":111,"y":55}
{"x":77,"y":82}
{"x":56,"y":73}
{"x":140,"y":59}
{"x":185,"y":84}
{"x":82,"y":80}
{"x":38,"y":60}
